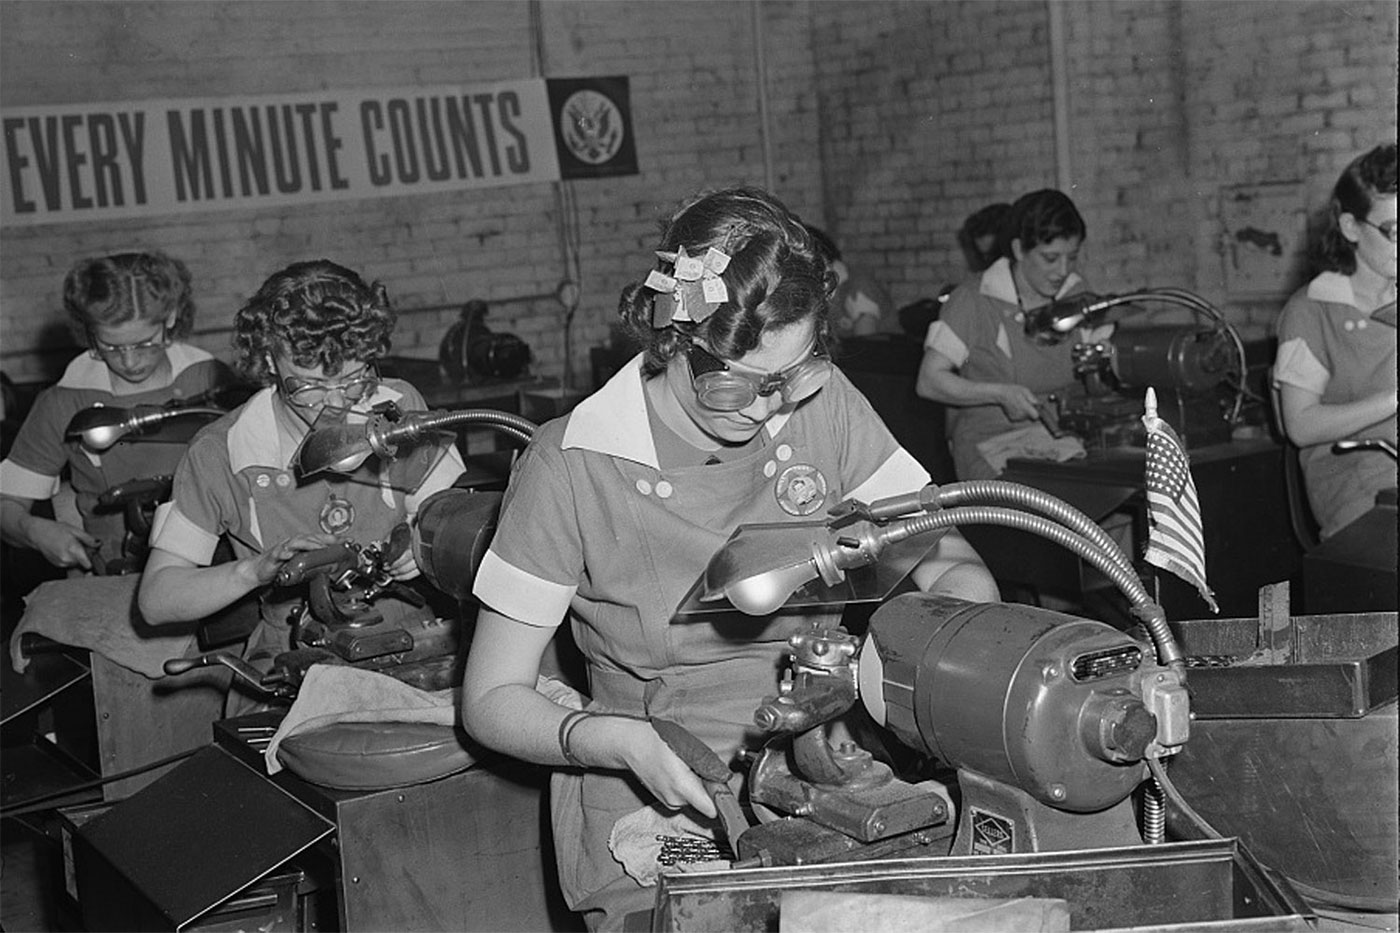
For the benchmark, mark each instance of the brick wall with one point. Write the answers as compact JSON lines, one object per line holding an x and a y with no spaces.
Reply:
{"x":930,"y":110}
{"x":891,"y":121}
{"x":694,"y":98}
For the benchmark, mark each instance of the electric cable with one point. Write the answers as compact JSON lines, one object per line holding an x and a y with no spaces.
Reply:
{"x":22,"y":807}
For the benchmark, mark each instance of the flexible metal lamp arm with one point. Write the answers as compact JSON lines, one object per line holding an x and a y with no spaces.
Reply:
{"x":343,"y":448}
{"x":101,"y":426}
{"x":413,"y":427}
{"x":1181,"y":297}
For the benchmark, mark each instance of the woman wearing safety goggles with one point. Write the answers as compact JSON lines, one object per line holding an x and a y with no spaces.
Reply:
{"x":732,"y":413}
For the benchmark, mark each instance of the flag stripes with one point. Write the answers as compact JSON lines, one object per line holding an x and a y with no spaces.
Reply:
{"x":1175,"y":536}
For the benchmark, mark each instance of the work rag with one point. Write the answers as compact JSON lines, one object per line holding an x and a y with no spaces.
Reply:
{"x":1033,"y":442}
{"x":99,"y":614}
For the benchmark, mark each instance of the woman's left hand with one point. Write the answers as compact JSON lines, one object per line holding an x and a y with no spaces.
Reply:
{"x":404,"y":567}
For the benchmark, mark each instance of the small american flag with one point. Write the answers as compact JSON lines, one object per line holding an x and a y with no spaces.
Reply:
{"x":1175,"y":541}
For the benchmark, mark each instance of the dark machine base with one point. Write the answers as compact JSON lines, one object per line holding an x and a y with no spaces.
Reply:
{"x":216,"y":840}
{"x":997,"y":819}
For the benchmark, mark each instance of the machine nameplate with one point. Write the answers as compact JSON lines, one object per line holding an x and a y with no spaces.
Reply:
{"x":992,"y":834}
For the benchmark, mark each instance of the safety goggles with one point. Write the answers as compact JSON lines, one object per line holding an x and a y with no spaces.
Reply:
{"x":311,"y":393}
{"x":720,"y":388}
{"x":100,"y":350}
{"x":1386,"y":229}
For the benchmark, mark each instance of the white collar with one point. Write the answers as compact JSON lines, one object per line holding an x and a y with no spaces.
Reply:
{"x":613,"y":421}
{"x":254,"y":439}
{"x":84,"y":372}
{"x":1333,"y":287}
{"x":999,"y":283}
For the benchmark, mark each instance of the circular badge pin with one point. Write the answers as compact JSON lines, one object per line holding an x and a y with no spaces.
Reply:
{"x":337,"y":515}
{"x":800,"y":489}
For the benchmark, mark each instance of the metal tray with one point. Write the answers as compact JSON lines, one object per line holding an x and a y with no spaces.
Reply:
{"x":1322,"y":666}
{"x":1204,"y":885}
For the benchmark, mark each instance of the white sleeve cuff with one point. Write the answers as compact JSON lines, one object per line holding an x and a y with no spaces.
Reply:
{"x":23,"y":483}
{"x":1296,"y":365}
{"x":941,"y":338}
{"x":172,"y":531}
{"x":898,"y":475}
{"x":520,"y":595}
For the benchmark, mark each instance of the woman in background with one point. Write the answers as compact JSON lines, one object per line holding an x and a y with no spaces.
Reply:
{"x":312,"y":335}
{"x":978,"y":358}
{"x":132,"y":310}
{"x":1335,"y":370}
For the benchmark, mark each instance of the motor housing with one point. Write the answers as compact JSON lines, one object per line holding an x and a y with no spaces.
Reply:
{"x":1039,"y":700}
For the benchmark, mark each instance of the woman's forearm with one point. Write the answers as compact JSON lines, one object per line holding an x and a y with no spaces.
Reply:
{"x":516,"y":720}
{"x":16,"y":522}
{"x":172,"y":593}
{"x":1317,"y":423}
{"x":940,"y":384}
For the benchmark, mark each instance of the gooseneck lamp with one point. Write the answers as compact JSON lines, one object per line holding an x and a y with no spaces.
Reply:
{"x":1056,"y":320}
{"x":760,"y":568}
{"x":344,"y":447}
{"x":101,"y":426}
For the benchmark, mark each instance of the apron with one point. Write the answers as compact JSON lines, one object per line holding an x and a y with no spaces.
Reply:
{"x":649,"y":535}
{"x":1342,"y":487}
{"x":280,"y":509}
{"x":1042,"y":369}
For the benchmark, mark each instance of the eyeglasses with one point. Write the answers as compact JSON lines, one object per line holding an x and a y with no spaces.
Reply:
{"x":720,"y":388}
{"x":310,"y":393}
{"x":100,"y":350}
{"x":1386,"y":229}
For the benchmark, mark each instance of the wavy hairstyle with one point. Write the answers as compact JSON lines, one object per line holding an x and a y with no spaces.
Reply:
{"x":108,"y":291}
{"x":1366,"y":179}
{"x":776,"y":277}
{"x":319,"y":313}
{"x":985,"y":221}
{"x":1039,"y":217}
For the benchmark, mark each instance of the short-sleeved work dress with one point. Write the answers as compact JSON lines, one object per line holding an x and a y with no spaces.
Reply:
{"x":237,"y":481}
{"x":594,"y":529}
{"x":982,"y":331}
{"x":36,"y":463}
{"x":1327,"y":345}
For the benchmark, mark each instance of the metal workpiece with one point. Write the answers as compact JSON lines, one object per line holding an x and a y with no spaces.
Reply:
{"x":806,"y":700}
{"x":877,"y":807}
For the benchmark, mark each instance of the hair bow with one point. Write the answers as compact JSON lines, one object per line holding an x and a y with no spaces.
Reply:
{"x":695,"y":287}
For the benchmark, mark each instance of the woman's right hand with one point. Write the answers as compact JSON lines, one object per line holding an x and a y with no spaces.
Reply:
{"x":63,"y":545}
{"x":1018,"y":402}
{"x":645,"y":754}
{"x":264,"y":567}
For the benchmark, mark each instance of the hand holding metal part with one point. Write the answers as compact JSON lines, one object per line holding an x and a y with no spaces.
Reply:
{"x":714,"y":774}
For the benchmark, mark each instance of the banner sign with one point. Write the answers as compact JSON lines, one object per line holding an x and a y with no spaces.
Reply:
{"x":84,"y":162}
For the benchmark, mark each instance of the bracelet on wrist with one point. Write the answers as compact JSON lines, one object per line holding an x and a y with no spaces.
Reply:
{"x":566,"y":729}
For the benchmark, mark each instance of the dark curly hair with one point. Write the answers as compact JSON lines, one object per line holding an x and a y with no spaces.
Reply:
{"x":1367,"y":178}
{"x":108,"y":291}
{"x":985,"y":221}
{"x":776,"y":277}
{"x":1039,"y":217}
{"x":318,"y":313}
